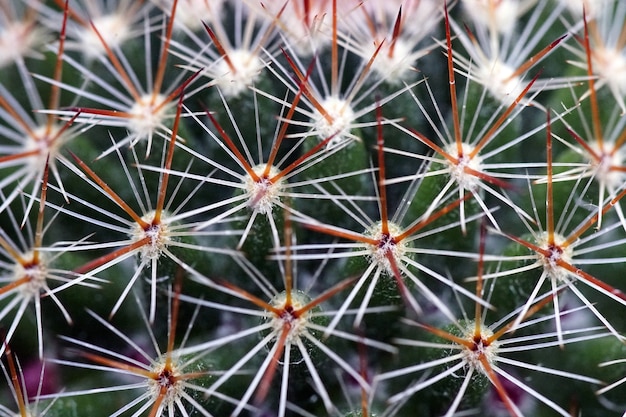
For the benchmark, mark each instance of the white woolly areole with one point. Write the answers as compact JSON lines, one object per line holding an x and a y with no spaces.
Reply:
{"x":247,"y":67}
{"x":556,"y":252}
{"x":166,"y":377}
{"x":147,"y":115}
{"x":610,"y":65}
{"x":342,"y":117}
{"x":592,"y":7}
{"x":500,"y":15}
{"x":44,"y":140}
{"x":36,"y":273}
{"x":481,"y":348}
{"x":296,"y":323}
{"x":263,"y":194}
{"x":191,"y":13}
{"x":305,"y":38}
{"x":393,"y":68}
{"x":386,"y":245}
{"x":17,"y":39}
{"x":158,"y":234}
{"x":611,"y":178}
{"x":114,"y":30}
{"x":457,"y":171}
{"x":500,"y":81}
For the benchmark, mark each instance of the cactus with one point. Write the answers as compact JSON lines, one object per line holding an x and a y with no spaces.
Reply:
{"x":312,"y":208}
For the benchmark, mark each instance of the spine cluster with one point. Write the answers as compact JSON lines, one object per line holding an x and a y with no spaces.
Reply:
{"x":312,"y":208}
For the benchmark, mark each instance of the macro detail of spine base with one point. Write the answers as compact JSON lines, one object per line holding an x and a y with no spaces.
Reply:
{"x":309,"y":208}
